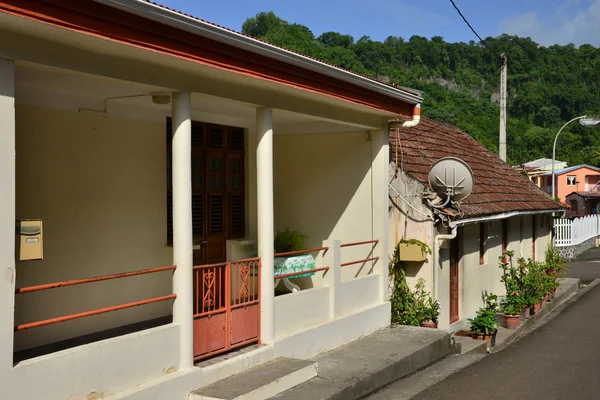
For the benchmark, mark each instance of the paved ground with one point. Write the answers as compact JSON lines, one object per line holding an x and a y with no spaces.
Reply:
{"x":560,"y":360}
{"x":586,"y":266}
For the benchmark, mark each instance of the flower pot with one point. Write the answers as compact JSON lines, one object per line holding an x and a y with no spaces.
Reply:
{"x":527,"y":312}
{"x":543,"y":302}
{"x":512,"y":321}
{"x":411,"y":252}
{"x":429,"y":324}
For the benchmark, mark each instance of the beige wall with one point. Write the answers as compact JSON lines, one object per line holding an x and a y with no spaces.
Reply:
{"x":98,"y":183}
{"x":476,"y":279}
{"x":409,"y":222}
{"x":323,"y":189}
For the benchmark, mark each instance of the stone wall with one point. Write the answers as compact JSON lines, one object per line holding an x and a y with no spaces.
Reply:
{"x":571,"y":252}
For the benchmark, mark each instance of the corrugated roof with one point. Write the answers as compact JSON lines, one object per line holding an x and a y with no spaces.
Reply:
{"x":498,"y":188}
{"x":573,"y":168}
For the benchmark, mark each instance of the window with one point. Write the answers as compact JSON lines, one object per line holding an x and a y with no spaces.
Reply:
{"x":483,"y":237}
{"x":571,"y":180}
{"x":218,"y":208}
{"x":504,"y":235}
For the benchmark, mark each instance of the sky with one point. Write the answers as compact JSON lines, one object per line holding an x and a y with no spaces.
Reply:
{"x":545,"y":21}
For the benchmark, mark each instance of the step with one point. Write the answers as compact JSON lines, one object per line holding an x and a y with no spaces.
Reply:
{"x":365,"y":365}
{"x":261,"y":382}
{"x":410,"y":386}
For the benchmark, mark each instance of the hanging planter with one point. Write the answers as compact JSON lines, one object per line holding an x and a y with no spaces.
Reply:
{"x":413,"y":250}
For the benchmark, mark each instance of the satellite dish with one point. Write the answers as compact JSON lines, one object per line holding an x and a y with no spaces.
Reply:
{"x":451,"y":178}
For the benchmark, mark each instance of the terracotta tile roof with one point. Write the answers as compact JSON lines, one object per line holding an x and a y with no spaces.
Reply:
{"x":587,"y":195}
{"x":498,"y":188}
{"x":283,"y":48}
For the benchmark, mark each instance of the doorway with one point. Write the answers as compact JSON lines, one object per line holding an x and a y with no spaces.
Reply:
{"x":218,"y":201}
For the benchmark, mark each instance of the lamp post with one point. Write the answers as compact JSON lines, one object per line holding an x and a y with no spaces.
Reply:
{"x":583,"y":120}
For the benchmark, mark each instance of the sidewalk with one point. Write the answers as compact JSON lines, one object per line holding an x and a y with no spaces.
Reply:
{"x":472,"y":350}
{"x":361,"y":367}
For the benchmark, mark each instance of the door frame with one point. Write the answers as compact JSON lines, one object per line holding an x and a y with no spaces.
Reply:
{"x":455,"y":256}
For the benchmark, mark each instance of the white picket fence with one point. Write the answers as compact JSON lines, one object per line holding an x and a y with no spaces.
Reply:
{"x":572,"y":232}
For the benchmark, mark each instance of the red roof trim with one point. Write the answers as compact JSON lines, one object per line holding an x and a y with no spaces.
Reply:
{"x":102,"y":21}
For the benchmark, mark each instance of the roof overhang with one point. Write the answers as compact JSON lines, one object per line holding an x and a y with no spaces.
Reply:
{"x":198,"y":27}
{"x":507,"y":215}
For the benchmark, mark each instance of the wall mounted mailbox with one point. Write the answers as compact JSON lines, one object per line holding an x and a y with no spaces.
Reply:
{"x":30,"y":244}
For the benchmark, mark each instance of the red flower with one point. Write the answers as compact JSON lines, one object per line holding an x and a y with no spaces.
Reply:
{"x":504,"y":260}
{"x":519,"y":262}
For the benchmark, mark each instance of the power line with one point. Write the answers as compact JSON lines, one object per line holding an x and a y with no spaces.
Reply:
{"x":472,"y":29}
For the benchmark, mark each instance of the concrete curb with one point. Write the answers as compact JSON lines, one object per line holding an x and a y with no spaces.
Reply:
{"x":365,"y":374}
{"x":559,"y":302}
{"x":560,"y":308}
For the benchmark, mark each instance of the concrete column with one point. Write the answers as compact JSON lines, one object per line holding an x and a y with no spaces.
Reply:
{"x":332,"y":258}
{"x":7,"y":218}
{"x":380,"y":201}
{"x":266,"y":224}
{"x":182,"y":226}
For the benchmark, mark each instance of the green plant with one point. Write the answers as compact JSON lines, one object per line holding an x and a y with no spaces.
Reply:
{"x":484,"y":322}
{"x":409,"y":307}
{"x":289,"y":241}
{"x":424,"y":247}
{"x":512,"y":304}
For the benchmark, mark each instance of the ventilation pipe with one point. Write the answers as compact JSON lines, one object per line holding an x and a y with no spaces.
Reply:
{"x":416,"y":118}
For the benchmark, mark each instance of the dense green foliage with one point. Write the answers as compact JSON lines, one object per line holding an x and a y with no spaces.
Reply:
{"x":547,"y":85}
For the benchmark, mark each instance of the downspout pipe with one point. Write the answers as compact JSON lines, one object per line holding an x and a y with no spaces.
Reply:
{"x":436,"y":257}
{"x":416,"y":118}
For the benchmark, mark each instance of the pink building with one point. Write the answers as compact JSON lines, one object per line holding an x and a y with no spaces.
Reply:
{"x":572,"y":179}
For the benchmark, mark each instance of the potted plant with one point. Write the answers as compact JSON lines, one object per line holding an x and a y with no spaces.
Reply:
{"x":413,"y":250}
{"x":286,"y":241}
{"x":484,"y":325}
{"x":432,"y":313}
{"x":512,"y":307}
{"x":428,"y":310}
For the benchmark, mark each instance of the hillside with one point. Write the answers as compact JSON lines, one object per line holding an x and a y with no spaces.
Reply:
{"x":547,"y":85}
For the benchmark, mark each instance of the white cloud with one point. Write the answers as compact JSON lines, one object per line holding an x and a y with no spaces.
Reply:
{"x":575,"y":21}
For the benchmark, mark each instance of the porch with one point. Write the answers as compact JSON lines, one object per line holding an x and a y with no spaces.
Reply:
{"x":126,"y":268}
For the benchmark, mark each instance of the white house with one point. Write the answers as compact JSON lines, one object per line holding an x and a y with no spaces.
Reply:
{"x":504,"y":212}
{"x":147,"y":159}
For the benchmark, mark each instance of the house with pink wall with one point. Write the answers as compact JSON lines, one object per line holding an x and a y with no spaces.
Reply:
{"x":572,"y":179}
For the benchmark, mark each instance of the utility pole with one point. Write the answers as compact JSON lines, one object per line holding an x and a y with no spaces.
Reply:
{"x":502,"y":148}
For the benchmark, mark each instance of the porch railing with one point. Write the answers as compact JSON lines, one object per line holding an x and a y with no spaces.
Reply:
{"x":298,"y":252}
{"x":364,"y":260}
{"x":48,"y":286}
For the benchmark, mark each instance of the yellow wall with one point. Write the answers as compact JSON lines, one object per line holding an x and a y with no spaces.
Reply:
{"x":98,"y":183}
{"x":322,"y":188}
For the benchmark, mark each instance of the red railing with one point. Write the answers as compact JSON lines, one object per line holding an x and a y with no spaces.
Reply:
{"x":37,"y":288}
{"x":226,"y":306}
{"x":365,"y":260}
{"x":308,"y":271}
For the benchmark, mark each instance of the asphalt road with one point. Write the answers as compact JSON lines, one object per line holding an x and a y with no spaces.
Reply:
{"x":560,"y":360}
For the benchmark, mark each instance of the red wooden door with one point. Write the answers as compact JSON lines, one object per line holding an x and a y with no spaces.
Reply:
{"x":454,"y":261}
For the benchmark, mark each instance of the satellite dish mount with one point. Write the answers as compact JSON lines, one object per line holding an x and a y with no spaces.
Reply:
{"x":451,"y":179}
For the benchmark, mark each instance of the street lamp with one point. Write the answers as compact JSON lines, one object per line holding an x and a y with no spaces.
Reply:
{"x":583,"y":120}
